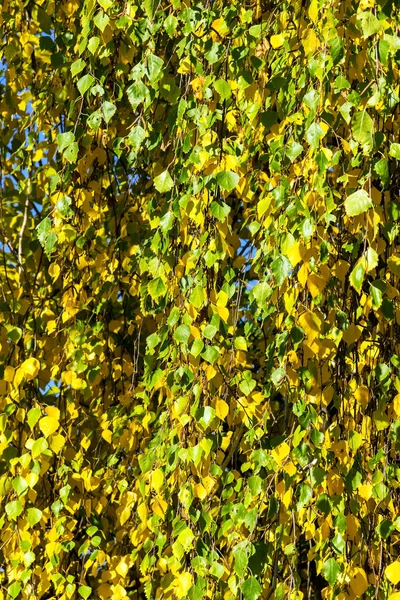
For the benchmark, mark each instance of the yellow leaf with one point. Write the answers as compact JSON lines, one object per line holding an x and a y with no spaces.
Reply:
{"x":311,"y":324}
{"x":30,"y":368}
{"x":277,"y":41}
{"x":358,"y":581}
{"x":313,"y":11}
{"x":310,"y":41}
{"x":221,"y":409}
{"x":200,"y":491}
{"x":222,"y":298}
{"x":353,"y":525}
{"x":315,"y":284}
{"x":9,"y":374}
{"x":48,"y":426}
{"x":220,"y":26}
{"x":352,"y":334}
{"x":222,"y":311}
{"x":280,"y":452}
{"x":53,"y":411}
{"x":184,"y":583}
{"x":54,"y":271}
{"x":123,"y":567}
{"x":57,"y":442}
{"x":240,"y":343}
{"x":396,"y":404}
{"x":124,"y":515}
{"x":107,"y":435}
{"x":157,"y":479}
{"x":394,"y":264}
{"x":372,"y":259}
{"x":362,"y":395}
{"x":295,"y":253}
{"x":395,"y":596}
{"x":365,"y":491}
{"x":159,"y":507}
{"x":392,"y":572}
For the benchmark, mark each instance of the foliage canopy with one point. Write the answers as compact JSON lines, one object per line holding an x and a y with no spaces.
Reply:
{"x":199,"y":339}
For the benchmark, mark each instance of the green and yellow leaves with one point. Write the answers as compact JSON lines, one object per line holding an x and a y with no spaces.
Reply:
{"x":210,"y":355}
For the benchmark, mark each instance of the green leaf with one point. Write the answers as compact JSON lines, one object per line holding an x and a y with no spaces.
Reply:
{"x":220,"y":210}
{"x":108,"y":110}
{"x":167,"y":222}
{"x":379,"y":491}
{"x":65,"y":139}
{"x":197,"y":298}
{"x":363,"y":130}
{"x":247,"y":384}
{"x":228,"y":180}
{"x":170,"y":25}
{"x":64,"y":206}
{"x":182,"y":334}
{"x":209,"y":331}
{"x":357,"y":276}
{"x":205,"y":416}
{"x":281,"y":268}
{"x":261,"y":292}
{"x":197,"y":347}
{"x":14,"y":509}
{"x":357,"y":203}
{"x":101,"y":20}
{"x":223,"y":88}
{"x":382,"y":169}
{"x":50,"y":242}
{"x":85,"y":83}
{"x":337,"y":49}
{"x":13,"y":333}
{"x":330,"y":570}
{"x":38,"y":447}
{"x":395,"y":151}
{"x":241,"y":558}
{"x":137,"y":93}
{"x":71,"y":153}
{"x":217,"y":570}
{"x":368,"y":24}
{"x":210,"y":354}
{"x":313,"y":134}
{"x":93,"y":44}
{"x":136,"y":137}
{"x":34,"y":415}
{"x":156,"y":288}
{"x":14,"y":589}
{"x":163,"y":182}
{"x":306,"y":494}
{"x":376,"y":294}
{"x":293,"y":151}
{"x":94,"y":121}
{"x":251,"y":589}
{"x":154,"y":67}
{"x":150,"y":8}
{"x":77,"y":67}
{"x":33,"y":516}
{"x":255,"y":485}
{"x":84,"y":591}
{"x":20,"y":485}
